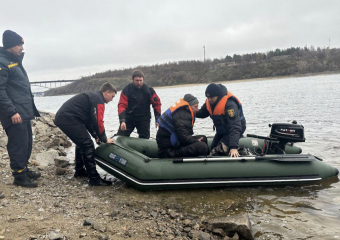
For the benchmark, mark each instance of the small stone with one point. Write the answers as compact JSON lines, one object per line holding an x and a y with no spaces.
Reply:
{"x":186,"y":222}
{"x":61,"y":162}
{"x":154,"y":214}
{"x":219,"y":232}
{"x":173,"y":214}
{"x":88,"y":222}
{"x":115,"y":213}
{"x":82,"y":235}
{"x":187,"y":229}
{"x":60,"y":171}
{"x":2,"y":195}
{"x":55,"y":236}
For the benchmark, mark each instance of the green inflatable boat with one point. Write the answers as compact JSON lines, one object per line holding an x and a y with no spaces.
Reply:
{"x":270,"y":160}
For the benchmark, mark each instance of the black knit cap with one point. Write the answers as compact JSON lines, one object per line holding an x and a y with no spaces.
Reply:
{"x":190,"y":99}
{"x":212,"y":90}
{"x":11,"y":39}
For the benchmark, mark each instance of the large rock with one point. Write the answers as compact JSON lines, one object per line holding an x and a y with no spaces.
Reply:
{"x":239,"y":223}
{"x":47,"y":158}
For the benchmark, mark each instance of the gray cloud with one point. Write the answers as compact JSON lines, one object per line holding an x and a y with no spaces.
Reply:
{"x":69,"y":39}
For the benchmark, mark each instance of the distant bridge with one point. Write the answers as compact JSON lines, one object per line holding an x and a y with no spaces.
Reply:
{"x":49,"y":84}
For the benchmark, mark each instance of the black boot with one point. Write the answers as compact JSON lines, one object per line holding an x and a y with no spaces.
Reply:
{"x":24,"y":181}
{"x":81,"y":173}
{"x":88,"y":158}
{"x":79,"y":164}
{"x":32,"y":174}
{"x":98,"y":181}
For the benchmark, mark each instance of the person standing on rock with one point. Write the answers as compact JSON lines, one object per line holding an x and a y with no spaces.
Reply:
{"x":17,"y":109}
{"x":134,"y":107}
{"x":175,"y":134}
{"x":226,"y":112}
{"x":79,"y":116}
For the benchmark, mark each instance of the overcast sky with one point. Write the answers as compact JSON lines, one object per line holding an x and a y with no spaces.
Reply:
{"x":74,"y":38}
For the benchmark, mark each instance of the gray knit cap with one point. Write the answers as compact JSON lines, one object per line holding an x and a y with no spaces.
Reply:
{"x":190,"y":99}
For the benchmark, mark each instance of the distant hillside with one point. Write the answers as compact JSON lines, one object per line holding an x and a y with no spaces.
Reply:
{"x":285,"y":62}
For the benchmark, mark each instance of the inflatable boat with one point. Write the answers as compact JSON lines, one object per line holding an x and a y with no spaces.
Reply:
{"x":273,"y":160}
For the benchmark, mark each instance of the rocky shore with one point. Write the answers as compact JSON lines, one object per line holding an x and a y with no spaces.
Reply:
{"x":63,"y":207}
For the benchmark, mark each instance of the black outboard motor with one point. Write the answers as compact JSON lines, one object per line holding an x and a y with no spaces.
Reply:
{"x":280,"y":135}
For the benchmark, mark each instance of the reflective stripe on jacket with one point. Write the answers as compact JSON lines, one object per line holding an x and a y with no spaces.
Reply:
{"x":218,"y":115}
{"x":165,"y":120}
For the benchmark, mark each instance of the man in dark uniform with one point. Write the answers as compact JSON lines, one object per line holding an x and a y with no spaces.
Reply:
{"x":134,"y":107}
{"x":175,"y":134}
{"x":17,"y":108}
{"x":79,"y":116}
{"x":226,"y":112}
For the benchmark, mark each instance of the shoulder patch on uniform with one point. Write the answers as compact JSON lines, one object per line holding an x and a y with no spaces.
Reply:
{"x":12,"y":65}
{"x":231,"y":112}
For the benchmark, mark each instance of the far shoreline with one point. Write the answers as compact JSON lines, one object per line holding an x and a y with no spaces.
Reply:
{"x":254,"y":79}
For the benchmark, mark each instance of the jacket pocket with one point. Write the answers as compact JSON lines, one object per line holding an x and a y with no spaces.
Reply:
{"x":25,"y":108}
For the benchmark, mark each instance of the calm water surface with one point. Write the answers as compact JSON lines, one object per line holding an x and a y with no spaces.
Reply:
{"x":303,"y":212}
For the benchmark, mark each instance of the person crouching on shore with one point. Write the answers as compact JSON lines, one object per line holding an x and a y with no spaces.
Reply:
{"x":79,"y":116}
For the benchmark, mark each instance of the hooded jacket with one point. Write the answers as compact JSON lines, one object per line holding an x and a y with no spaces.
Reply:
{"x":15,"y":90}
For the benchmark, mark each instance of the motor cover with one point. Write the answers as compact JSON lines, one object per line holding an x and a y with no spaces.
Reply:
{"x":287,"y":132}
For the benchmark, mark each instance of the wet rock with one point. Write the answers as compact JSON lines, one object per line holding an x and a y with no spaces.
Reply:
{"x":88,"y":222}
{"x":61,"y":162}
{"x":239,"y":223}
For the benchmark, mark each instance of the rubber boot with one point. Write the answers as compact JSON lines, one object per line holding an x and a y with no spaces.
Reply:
{"x":90,"y":164}
{"x":79,"y":164}
{"x":32,"y":174}
{"x":24,"y":181}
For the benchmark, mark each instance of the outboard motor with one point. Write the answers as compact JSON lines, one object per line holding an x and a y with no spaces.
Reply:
{"x":280,"y":135}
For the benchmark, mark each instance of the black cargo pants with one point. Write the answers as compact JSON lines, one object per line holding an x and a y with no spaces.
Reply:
{"x":143,"y":128}
{"x":19,"y":146}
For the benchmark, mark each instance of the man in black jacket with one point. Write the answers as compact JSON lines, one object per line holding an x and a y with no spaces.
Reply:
{"x":79,"y":116}
{"x":134,"y":107}
{"x":17,"y":108}
{"x":226,"y":112}
{"x":175,"y":135}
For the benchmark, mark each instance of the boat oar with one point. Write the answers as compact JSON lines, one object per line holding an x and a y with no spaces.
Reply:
{"x":288,"y":158}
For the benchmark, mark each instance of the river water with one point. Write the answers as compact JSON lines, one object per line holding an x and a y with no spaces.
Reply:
{"x":300,"y":212}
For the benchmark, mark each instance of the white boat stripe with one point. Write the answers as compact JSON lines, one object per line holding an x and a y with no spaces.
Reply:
{"x":210,"y":182}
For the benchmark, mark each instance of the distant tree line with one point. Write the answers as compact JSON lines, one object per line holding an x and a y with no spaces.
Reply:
{"x":281,"y":62}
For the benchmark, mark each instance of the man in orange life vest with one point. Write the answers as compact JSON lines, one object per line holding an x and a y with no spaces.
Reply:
{"x":175,"y":135}
{"x":226,"y":112}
